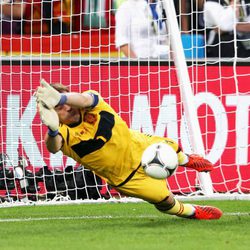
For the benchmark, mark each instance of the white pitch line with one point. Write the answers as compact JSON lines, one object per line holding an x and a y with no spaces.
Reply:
{"x":237,"y":214}
{"x":76,"y":218}
{"x":101,"y":217}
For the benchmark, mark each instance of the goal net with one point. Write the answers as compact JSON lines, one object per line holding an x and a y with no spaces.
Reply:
{"x":180,"y":92}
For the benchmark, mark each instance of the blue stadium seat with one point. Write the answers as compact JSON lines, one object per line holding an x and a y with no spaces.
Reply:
{"x":194,"y":46}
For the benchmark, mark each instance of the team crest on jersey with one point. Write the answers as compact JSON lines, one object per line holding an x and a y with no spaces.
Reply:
{"x":79,"y":133}
{"x":90,"y":118}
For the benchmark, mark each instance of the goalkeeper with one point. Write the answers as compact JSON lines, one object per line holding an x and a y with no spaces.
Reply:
{"x":84,"y":127}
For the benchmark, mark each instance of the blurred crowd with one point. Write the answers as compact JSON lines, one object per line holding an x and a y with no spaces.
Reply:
{"x":62,"y":16}
{"x":215,"y":20}
{"x":36,"y":16}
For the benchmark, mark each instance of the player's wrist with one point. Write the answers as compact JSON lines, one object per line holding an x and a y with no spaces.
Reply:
{"x":52,"y":133}
{"x":63,"y":99}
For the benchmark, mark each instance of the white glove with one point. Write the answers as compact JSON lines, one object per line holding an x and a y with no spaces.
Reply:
{"x":48,"y":116}
{"x":47,"y":95}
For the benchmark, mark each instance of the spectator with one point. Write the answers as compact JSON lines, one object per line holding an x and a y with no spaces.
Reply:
{"x":188,"y":13}
{"x":181,"y":8}
{"x":35,"y":21}
{"x":220,"y":17}
{"x":48,"y":17}
{"x":11,"y":13}
{"x":98,"y":14}
{"x":61,"y":16}
{"x":140,"y":30}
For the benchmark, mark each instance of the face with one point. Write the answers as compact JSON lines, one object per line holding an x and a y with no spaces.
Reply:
{"x":68,"y":115}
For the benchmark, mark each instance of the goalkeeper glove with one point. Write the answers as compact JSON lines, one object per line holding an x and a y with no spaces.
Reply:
{"x":198,"y":163}
{"x":49,"y":96}
{"x":50,"y":118}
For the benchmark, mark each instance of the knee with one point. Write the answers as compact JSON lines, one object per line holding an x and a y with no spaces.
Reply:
{"x":166,"y":204}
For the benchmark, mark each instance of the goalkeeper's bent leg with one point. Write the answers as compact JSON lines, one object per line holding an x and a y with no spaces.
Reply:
{"x":174,"y":207}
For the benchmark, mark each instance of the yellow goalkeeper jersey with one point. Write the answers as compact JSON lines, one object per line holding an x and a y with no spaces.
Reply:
{"x":103,"y":143}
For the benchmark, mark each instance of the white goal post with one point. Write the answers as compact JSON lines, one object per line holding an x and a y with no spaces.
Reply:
{"x":202,"y":102}
{"x":186,"y":92}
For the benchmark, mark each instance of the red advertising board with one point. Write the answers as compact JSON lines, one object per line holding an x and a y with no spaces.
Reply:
{"x":140,"y":93}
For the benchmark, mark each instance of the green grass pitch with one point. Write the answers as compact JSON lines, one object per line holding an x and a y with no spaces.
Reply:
{"x":118,"y":226}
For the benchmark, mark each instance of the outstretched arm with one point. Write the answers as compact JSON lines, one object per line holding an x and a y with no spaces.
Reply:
{"x":127,"y":51}
{"x":51,"y":98}
{"x":80,"y":100}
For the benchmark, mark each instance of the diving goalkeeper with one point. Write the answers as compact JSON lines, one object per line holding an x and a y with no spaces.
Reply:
{"x":84,"y":127}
